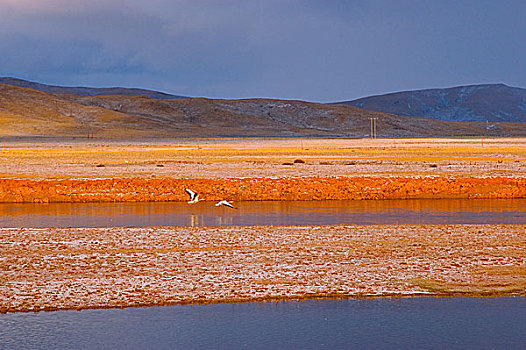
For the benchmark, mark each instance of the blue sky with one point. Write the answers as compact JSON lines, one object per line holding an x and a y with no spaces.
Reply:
{"x":329,"y":50}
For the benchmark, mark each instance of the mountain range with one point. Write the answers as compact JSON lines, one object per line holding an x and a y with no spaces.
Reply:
{"x":87,"y":91}
{"x":472,"y":103}
{"x":30,"y":109}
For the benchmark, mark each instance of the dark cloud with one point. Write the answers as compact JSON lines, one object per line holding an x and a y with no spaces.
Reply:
{"x":315,"y":50}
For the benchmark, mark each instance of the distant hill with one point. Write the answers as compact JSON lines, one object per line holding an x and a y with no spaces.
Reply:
{"x":27,"y":112}
{"x":87,"y":91}
{"x":473,"y":103}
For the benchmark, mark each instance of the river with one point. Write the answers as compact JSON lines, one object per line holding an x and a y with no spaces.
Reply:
{"x":417,"y":323}
{"x":250,"y":213}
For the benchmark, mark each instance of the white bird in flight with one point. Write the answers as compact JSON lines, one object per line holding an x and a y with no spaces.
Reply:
{"x":194,"y":197}
{"x":226,"y":204}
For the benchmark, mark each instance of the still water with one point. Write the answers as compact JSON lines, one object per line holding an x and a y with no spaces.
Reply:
{"x":413,"y":211}
{"x":417,"y":323}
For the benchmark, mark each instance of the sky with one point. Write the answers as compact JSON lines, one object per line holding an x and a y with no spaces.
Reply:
{"x":322,"y":51}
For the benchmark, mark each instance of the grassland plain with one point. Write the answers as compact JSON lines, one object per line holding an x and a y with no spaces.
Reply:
{"x":60,"y":268}
{"x":262,"y":169}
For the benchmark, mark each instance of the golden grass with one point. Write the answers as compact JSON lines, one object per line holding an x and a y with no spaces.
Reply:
{"x":442,"y":288}
{"x":43,"y":158}
{"x":487,"y":280}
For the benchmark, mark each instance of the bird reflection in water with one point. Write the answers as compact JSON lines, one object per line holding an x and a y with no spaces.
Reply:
{"x":224,"y":221}
{"x":194,"y":221}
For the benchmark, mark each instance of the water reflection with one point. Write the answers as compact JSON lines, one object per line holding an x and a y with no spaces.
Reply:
{"x":202,"y":220}
{"x":424,"y":211}
{"x":194,"y":220}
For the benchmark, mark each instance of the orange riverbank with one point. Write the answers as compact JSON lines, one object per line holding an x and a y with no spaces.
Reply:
{"x":238,"y":189}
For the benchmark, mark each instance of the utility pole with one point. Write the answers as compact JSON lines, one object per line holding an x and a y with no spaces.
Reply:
{"x":373,"y":127}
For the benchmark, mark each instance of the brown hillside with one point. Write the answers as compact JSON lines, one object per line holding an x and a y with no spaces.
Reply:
{"x":28,"y":112}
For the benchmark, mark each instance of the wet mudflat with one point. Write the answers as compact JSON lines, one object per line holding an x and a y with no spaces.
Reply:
{"x":76,"y":268}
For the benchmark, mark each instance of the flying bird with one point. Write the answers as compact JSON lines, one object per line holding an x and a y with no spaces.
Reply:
{"x":194,"y":197}
{"x":226,"y":204}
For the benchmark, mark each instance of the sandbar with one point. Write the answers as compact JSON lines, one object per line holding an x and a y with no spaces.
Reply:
{"x":44,"y":269}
